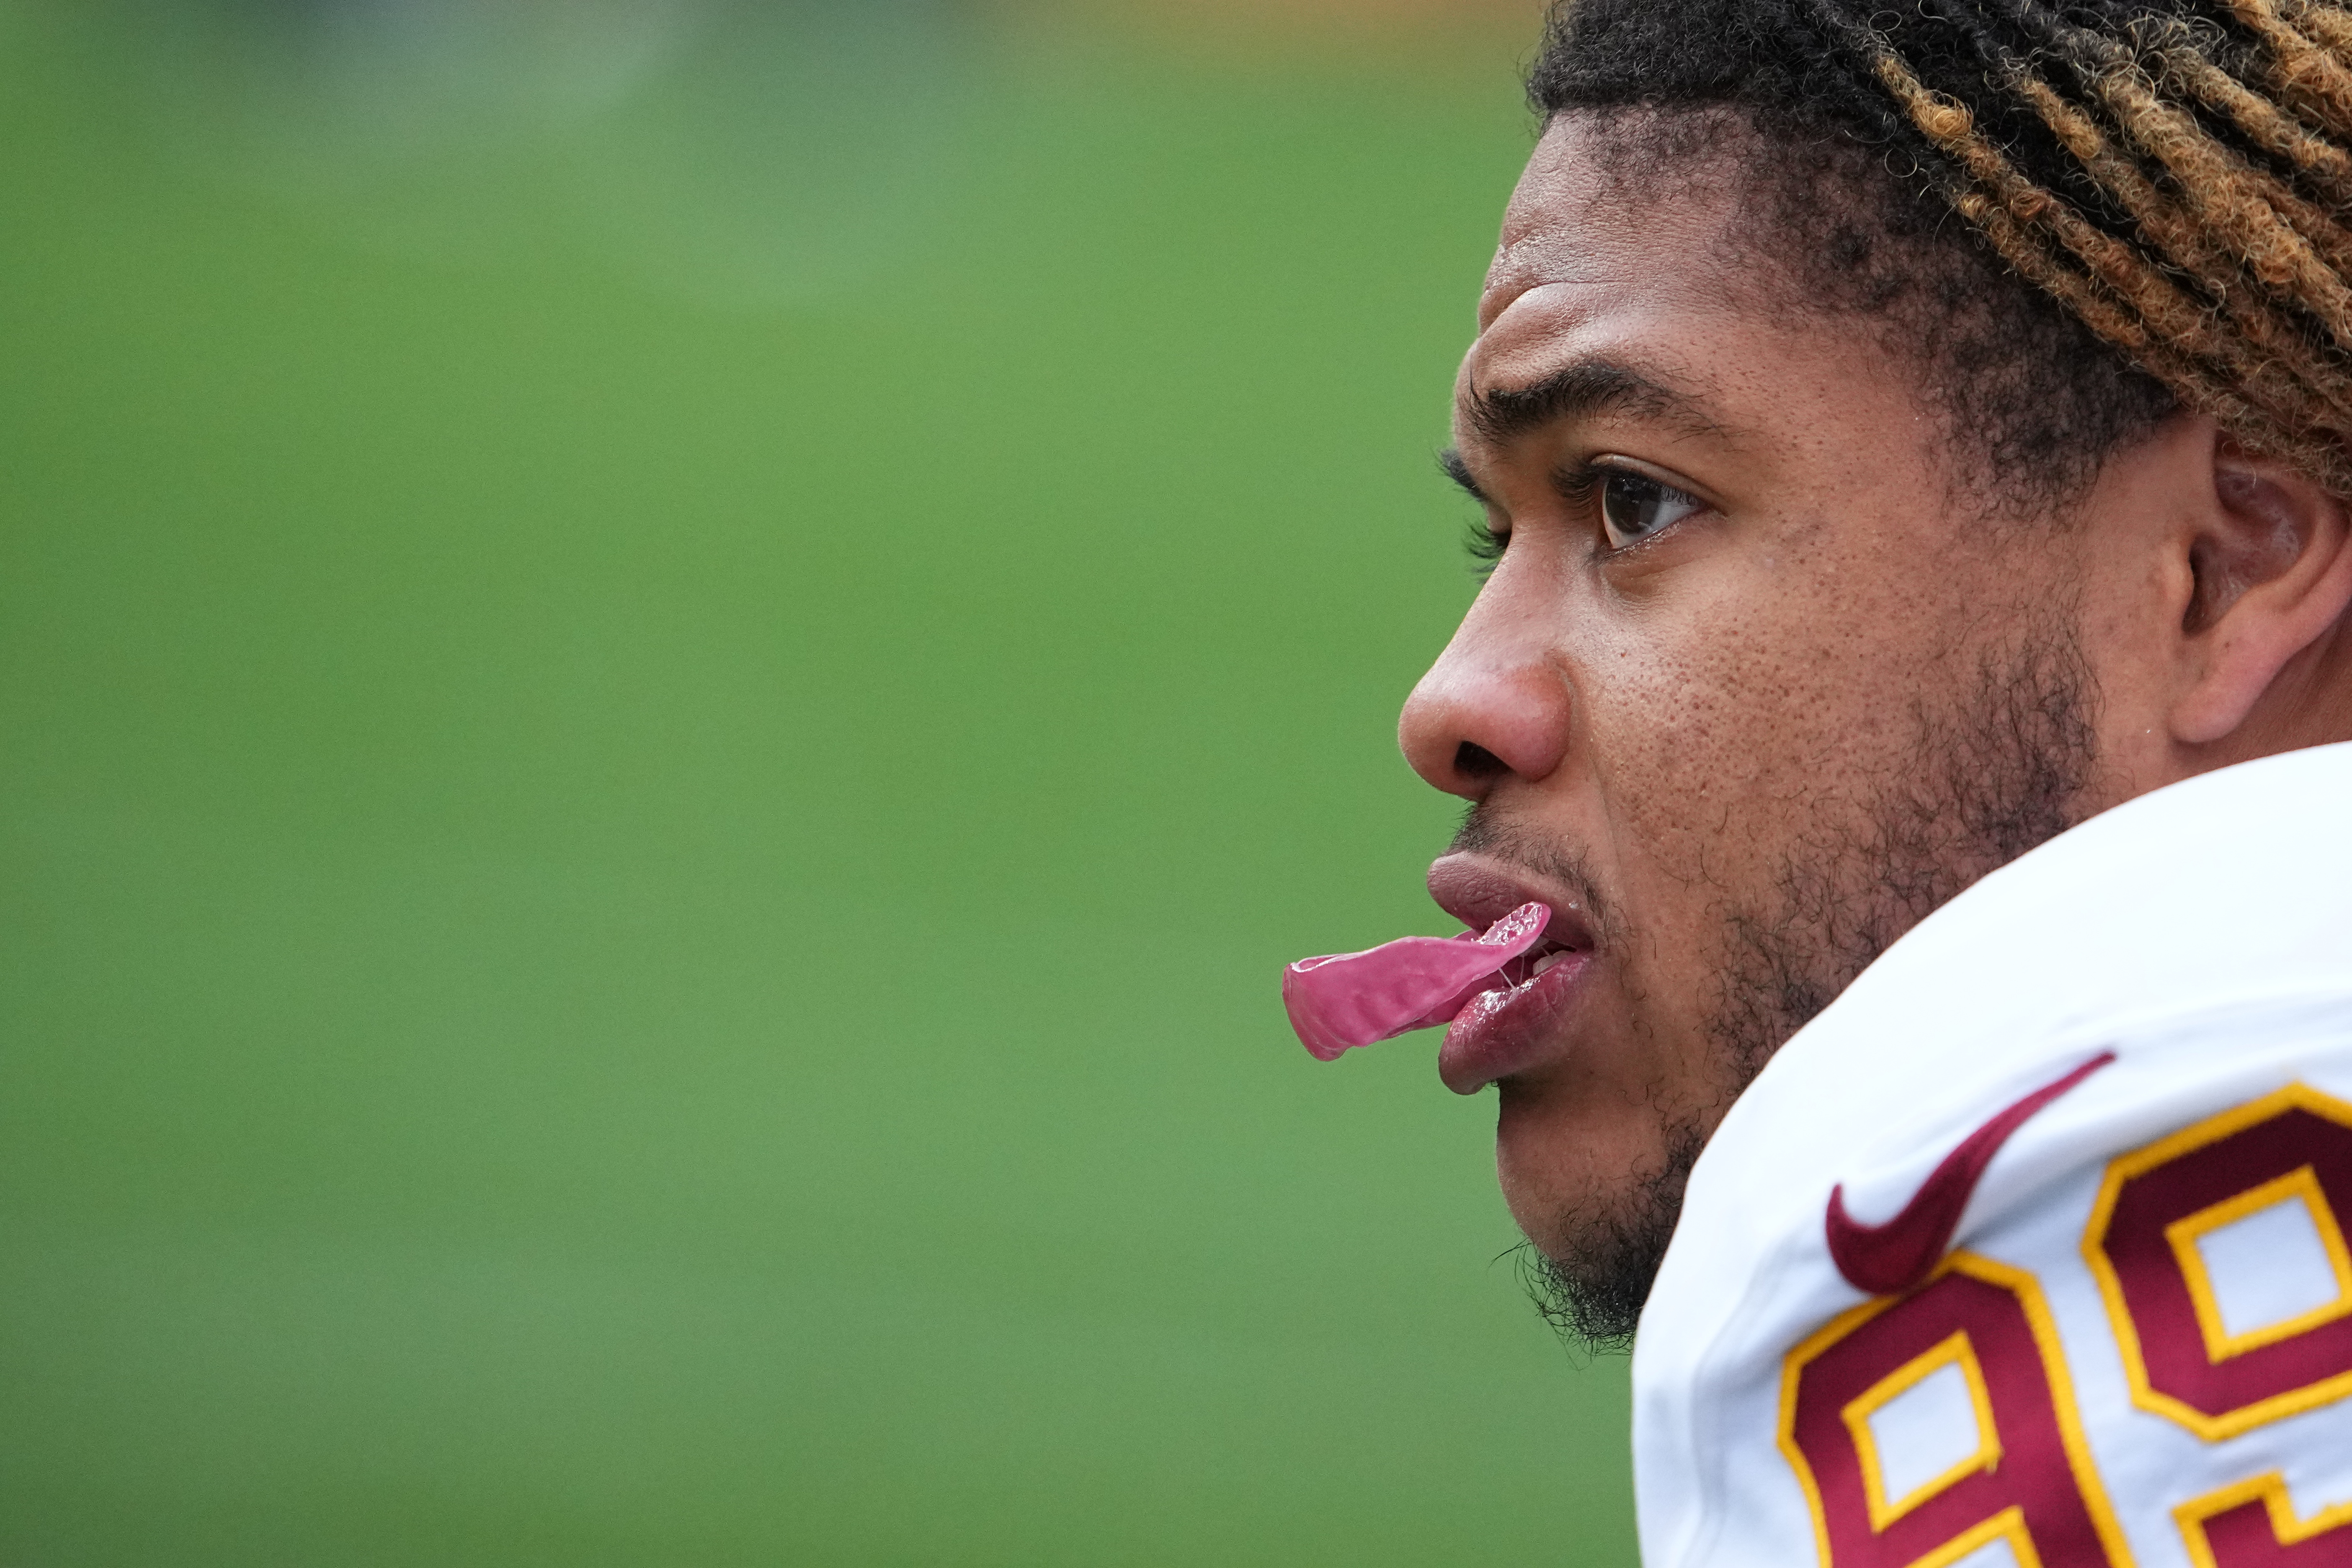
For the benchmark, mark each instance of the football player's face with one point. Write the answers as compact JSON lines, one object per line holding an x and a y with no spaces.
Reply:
{"x":1751,"y":688}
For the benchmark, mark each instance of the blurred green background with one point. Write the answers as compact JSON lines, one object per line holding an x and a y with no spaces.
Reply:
{"x":674,"y":677}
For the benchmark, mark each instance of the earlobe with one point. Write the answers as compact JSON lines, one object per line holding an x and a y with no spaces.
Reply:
{"x":2270,"y":561}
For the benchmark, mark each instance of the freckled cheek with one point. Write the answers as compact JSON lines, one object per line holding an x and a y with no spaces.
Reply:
{"x":1694,"y":754}
{"x":1669,"y":725}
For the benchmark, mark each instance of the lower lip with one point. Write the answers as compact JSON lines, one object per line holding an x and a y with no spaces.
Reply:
{"x":1495,"y":1039}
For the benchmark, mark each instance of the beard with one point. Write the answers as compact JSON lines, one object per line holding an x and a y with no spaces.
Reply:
{"x":1997,"y":769}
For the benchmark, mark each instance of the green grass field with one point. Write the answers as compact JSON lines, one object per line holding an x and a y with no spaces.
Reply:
{"x":658,"y":754}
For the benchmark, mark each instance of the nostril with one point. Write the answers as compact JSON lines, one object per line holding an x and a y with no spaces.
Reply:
{"x":1473,"y":761}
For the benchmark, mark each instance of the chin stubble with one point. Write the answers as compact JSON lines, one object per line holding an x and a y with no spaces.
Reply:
{"x":1989,"y":777}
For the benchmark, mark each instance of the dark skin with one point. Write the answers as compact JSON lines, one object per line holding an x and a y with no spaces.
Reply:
{"x":1740,"y":549}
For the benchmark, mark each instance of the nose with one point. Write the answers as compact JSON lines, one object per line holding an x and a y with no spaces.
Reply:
{"x":1493,"y":706}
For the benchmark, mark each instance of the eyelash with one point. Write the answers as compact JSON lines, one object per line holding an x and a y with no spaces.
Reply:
{"x":1581,"y":489}
{"x":1485,"y":547}
{"x":1577,"y":487}
{"x":1580,"y":485}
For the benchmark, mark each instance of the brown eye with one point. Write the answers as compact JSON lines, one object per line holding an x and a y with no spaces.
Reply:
{"x":1634,"y":507}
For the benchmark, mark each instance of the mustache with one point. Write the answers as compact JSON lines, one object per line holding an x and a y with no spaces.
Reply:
{"x":1487,"y":832}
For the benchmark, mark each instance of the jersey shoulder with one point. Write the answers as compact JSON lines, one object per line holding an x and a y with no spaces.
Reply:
{"x":2101,"y":1318}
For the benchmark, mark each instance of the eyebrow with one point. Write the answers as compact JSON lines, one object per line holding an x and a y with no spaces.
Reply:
{"x":1578,"y":391}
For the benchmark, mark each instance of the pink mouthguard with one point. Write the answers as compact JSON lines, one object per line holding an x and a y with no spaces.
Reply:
{"x":1413,"y":983}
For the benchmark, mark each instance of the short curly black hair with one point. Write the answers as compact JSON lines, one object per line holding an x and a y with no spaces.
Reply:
{"x":1854,"y":217}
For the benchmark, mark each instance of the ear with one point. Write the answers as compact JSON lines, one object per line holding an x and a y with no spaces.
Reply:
{"x":2270,"y":569}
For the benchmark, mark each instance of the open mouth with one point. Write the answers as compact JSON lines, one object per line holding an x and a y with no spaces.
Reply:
{"x":1515,"y":1024}
{"x":1343,"y":1000}
{"x":1536,"y":961}
{"x":1518,"y":978}
{"x":1520,"y":1016}
{"x":1500,"y":985}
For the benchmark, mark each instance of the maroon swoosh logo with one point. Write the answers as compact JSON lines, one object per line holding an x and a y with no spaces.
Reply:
{"x":1891,"y":1258}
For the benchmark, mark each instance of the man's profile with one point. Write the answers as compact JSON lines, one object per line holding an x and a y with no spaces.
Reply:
{"x":1907,"y":866}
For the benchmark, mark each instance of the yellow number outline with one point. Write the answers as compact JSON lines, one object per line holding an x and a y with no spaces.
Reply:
{"x":2188,"y":1141}
{"x":2270,"y":1490}
{"x":2010,"y":1522}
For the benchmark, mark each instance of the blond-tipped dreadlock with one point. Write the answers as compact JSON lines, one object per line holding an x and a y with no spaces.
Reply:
{"x":2233,"y":288}
{"x":2177,"y":175}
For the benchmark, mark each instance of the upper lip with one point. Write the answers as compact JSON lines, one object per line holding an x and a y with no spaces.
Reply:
{"x":1478,"y":891}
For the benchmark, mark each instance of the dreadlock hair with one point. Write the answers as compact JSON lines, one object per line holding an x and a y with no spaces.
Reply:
{"x":2157,"y":197}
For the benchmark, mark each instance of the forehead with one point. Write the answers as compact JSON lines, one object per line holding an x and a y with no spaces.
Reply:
{"x":1630,"y":244}
{"x":1615,"y":250}
{"x":1599,"y":212}
{"x":1633,"y":251}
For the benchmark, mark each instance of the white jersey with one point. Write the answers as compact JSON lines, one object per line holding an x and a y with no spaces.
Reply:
{"x":2110,"y":1326}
